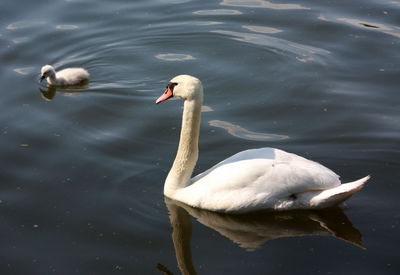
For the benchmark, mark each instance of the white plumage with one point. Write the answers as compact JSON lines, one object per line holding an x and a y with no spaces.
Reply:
{"x":256,"y":179}
{"x":65,"y":77}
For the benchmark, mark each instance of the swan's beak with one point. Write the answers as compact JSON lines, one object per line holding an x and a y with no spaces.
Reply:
{"x":167,"y":94}
{"x":41,"y":78}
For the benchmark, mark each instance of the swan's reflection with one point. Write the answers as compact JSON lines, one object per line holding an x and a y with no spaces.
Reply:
{"x":50,"y":91}
{"x":251,"y":231}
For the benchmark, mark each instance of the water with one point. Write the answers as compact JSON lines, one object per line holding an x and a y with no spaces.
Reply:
{"x":82,"y":170}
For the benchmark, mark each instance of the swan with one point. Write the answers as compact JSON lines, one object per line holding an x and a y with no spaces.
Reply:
{"x":255,"y":179}
{"x":66,"y":77}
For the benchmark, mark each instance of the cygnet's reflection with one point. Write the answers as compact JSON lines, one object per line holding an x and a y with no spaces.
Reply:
{"x":50,"y":92}
{"x":251,"y":231}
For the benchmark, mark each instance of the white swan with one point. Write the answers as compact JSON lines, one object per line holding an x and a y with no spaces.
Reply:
{"x":66,"y":77}
{"x":265,"y":178}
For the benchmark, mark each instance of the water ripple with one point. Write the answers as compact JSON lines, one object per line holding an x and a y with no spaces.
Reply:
{"x":261,"y":4}
{"x":175,"y":57}
{"x":303,"y":53}
{"x":217,"y":12}
{"x":261,"y":29}
{"x":240,"y":132}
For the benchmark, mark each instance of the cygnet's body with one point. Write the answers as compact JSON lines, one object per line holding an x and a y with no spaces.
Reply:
{"x":66,"y":77}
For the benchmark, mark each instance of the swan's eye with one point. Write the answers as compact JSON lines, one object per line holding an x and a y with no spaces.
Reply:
{"x":171,"y":85}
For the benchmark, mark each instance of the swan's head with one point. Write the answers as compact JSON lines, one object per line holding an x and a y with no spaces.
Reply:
{"x":46,"y":71}
{"x":184,"y":86}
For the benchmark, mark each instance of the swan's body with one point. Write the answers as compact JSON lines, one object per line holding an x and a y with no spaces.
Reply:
{"x":66,"y":77}
{"x":256,"y":179}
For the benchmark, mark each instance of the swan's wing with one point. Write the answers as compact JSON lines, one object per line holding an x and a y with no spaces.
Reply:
{"x":257,"y":177}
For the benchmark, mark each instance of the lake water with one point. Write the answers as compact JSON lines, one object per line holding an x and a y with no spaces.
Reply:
{"x":82,"y":170}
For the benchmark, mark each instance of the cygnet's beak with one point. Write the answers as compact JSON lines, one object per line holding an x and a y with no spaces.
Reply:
{"x":167,"y":94}
{"x":41,"y":78}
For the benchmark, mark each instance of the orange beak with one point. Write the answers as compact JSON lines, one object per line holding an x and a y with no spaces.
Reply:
{"x":167,"y":94}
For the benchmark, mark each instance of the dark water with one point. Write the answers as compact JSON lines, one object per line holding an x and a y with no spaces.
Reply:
{"x":82,"y":171}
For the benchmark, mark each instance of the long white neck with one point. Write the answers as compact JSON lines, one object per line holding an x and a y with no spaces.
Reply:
{"x":188,"y":151}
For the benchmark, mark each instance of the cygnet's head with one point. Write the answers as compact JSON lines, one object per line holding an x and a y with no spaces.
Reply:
{"x":184,"y":86}
{"x":46,"y":71}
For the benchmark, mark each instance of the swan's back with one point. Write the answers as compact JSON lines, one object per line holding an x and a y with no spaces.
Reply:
{"x":264,"y":178}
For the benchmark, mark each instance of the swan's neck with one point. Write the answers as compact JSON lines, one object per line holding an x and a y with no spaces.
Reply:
{"x":52,"y":79}
{"x":188,"y":151}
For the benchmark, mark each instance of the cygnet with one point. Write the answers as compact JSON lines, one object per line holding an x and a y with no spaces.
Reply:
{"x":66,"y":77}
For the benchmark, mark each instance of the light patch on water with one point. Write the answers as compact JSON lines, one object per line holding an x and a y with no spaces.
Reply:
{"x":261,"y":29}
{"x":262,"y":4}
{"x":394,"y":31}
{"x":174,"y":57}
{"x":24,"y":24}
{"x":206,"y":109}
{"x":67,"y":27}
{"x":24,"y":70}
{"x":303,"y":53}
{"x":175,"y":1}
{"x":240,"y":132}
{"x":209,"y":23}
{"x":217,"y":12}
{"x":70,"y":94}
{"x":20,"y":40}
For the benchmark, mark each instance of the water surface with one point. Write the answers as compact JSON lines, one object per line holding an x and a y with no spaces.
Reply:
{"x":82,"y":170}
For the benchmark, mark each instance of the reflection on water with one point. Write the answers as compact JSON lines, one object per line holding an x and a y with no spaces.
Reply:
{"x":67,"y":27}
{"x":23,"y":71}
{"x":261,"y":4}
{"x":262,"y":29}
{"x":217,"y":12}
{"x":251,"y":231}
{"x":240,"y":132}
{"x":174,"y":57}
{"x":24,"y":24}
{"x":394,"y":31}
{"x":302,"y":52}
{"x":389,"y":30}
{"x":50,"y":92}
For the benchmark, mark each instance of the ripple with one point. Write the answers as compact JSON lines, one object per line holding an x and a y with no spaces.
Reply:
{"x":24,"y":70}
{"x":174,"y":57}
{"x":262,"y":29}
{"x":209,"y":23}
{"x":217,"y":12}
{"x":20,"y":40}
{"x":303,"y":53}
{"x":240,"y":132}
{"x":206,"y":109}
{"x":176,"y":1}
{"x":262,"y":4}
{"x":24,"y":24}
{"x":67,"y":27}
{"x":394,"y":31}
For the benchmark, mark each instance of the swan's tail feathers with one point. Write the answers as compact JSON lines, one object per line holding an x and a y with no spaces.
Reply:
{"x":336,"y":195}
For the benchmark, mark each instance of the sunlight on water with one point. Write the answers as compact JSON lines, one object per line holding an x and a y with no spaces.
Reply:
{"x":24,"y":71}
{"x":261,"y":4}
{"x":67,"y":27}
{"x":394,"y":31}
{"x":217,"y":12}
{"x":174,"y":57}
{"x":262,"y":29}
{"x":302,"y":53}
{"x":240,"y":132}
{"x":24,"y":24}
